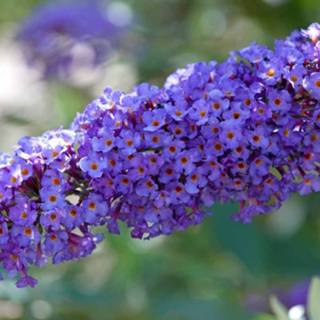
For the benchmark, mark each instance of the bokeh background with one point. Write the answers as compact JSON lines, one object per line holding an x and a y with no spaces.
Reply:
{"x":220,"y":270}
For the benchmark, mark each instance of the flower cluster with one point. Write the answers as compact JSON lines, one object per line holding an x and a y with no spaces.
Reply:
{"x":245,"y":130}
{"x":52,"y":33}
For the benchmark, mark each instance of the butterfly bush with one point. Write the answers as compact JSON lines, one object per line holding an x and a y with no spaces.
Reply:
{"x":51,"y":33}
{"x":245,"y":130}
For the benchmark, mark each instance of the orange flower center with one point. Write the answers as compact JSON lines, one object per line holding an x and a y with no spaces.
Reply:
{"x":129,"y":142}
{"x":216,"y":105}
{"x":25,"y":172}
{"x":230,"y":135}
{"x":169,"y":171}
{"x":172,"y":149}
{"x":294,"y":78}
{"x":256,"y":138}
{"x":178,"y":131}
{"x":125,"y":180}
{"x":24,"y":215}
{"x":92,"y":206}
{"x":73,"y":212}
{"x":94,"y":166}
{"x":236,"y":115}
{"x":277,"y":102}
{"x":108,"y":142}
{"x":271,"y":72}
{"x":155,"y":139}
{"x":184,"y":160}
{"x":27,"y":231}
{"x":149,"y":184}
{"x":52,"y":198}
{"x":56,"y":181}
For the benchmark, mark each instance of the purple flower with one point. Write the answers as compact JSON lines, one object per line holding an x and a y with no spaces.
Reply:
{"x":93,"y":208}
{"x":26,"y":281}
{"x":154,"y":119}
{"x":246,"y":130}
{"x":51,"y":220}
{"x":25,"y":236}
{"x":295,"y":75}
{"x":22,"y":213}
{"x":51,"y":198}
{"x":237,"y":113}
{"x":146,"y":188}
{"x":195,"y":181}
{"x":54,"y":34}
{"x":185,"y":162}
{"x":128,"y":141}
{"x":312,"y":84}
{"x":53,"y":179}
{"x":93,"y":165}
{"x":309,"y":184}
{"x":279,"y":100}
{"x":73,"y":217}
{"x":4,"y":234}
{"x":178,"y":110}
{"x":218,"y":102}
{"x":231,"y":134}
{"x":270,"y":72}
{"x":103,"y":143}
{"x":200,"y":112}
{"x":55,"y":242}
{"x":258,"y":138}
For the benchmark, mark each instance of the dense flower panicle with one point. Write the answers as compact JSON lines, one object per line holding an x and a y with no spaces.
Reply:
{"x":54,"y":31}
{"x":245,"y":130}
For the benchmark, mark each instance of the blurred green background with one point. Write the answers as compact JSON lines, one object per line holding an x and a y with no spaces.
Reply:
{"x":208,"y":272}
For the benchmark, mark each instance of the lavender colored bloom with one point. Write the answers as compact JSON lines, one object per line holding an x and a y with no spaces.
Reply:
{"x":258,"y":138}
{"x":51,"y":198}
{"x":154,"y":120}
{"x":103,"y":143}
{"x":73,"y":217}
{"x":55,"y":242}
{"x":22,"y":213}
{"x":4,"y":234}
{"x":25,"y":236}
{"x":231,"y":133}
{"x":51,"y":220}
{"x":218,"y":102}
{"x":26,"y":281}
{"x":200,"y":112}
{"x":312,"y":84}
{"x":53,"y":35}
{"x":246,"y":130}
{"x":93,"y":208}
{"x":195,"y":181}
{"x":93,"y":165}
{"x":309,"y":184}
{"x":185,"y":162}
{"x":178,"y":110}
{"x":128,"y":141}
{"x":279,"y":100}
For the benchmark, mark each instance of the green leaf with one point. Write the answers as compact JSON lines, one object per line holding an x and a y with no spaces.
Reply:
{"x":274,"y":171}
{"x":278,"y":309}
{"x":314,"y":299}
{"x":264,"y":317}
